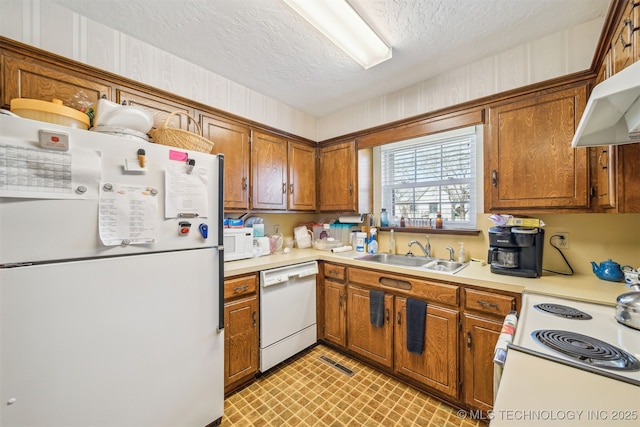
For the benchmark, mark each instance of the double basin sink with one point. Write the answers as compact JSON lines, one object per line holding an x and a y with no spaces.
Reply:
{"x":430,"y":264}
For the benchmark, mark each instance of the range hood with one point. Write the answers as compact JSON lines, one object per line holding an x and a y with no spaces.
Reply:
{"x":612,"y":115}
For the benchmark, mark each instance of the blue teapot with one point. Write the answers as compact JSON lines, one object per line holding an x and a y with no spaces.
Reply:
{"x":608,"y":270}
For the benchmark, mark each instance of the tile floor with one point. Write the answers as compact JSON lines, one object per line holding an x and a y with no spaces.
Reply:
{"x":306,"y":391}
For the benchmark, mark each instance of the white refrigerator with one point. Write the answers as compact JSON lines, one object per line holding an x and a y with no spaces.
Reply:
{"x":111,"y":273}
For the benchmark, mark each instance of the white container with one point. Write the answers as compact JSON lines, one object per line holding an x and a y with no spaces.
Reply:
{"x":361,"y":238}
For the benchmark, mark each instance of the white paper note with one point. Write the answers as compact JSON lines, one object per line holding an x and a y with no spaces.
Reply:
{"x":128,"y":214}
{"x":186,"y":193}
{"x":32,"y":172}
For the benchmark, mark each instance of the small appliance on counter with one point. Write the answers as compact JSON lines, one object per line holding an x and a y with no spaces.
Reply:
{"x":238,"y":243}
{"x":516,"y":251}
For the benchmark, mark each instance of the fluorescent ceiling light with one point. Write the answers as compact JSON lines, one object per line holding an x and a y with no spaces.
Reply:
{"x":337,"y":20}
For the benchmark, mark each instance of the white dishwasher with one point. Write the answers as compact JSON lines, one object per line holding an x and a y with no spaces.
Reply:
{"x":287,"y":312}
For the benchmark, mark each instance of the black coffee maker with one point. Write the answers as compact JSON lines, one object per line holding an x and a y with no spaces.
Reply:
{"x":516,"y":251}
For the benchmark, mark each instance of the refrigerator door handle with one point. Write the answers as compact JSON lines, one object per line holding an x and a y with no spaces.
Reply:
{"x":220,"y":233}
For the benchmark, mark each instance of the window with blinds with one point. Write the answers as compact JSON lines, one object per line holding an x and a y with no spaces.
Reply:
{"x":426,"y":175}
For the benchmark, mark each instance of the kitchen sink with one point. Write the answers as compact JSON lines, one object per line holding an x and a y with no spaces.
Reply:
{"x":431,"y":264}
{"x":445,"y":266}
{"x":391,"y":259}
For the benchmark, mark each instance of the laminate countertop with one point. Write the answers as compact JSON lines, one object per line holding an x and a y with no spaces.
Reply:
{"x":585,"y":287}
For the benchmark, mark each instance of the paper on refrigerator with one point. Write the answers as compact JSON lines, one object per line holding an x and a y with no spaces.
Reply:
{"x":128,"y":214}
{"x":186,"y":194}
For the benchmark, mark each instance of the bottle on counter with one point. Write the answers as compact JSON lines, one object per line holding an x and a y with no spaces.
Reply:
{"x":392,"y":242}
{"x":402,"y":222}
{"x":462,"y":254}
{"x":439,"y":221}
{"x":372,"y":246}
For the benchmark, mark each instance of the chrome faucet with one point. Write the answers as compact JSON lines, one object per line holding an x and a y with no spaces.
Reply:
{"x":450,"y":249}
{"x":426,"y":250}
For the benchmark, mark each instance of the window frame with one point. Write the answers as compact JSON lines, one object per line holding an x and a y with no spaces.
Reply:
{"x":475,"y":181}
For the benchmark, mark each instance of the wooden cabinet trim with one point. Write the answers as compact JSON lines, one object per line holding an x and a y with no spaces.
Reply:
{"x":419,"y":288}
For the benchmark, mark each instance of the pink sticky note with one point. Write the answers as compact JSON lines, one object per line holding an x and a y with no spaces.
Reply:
{"x":178,"y":155}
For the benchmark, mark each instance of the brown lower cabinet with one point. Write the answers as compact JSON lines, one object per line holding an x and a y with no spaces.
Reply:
{"x":483,"y":315}
{"x":241,"y":320}
{"x":460,"y":336}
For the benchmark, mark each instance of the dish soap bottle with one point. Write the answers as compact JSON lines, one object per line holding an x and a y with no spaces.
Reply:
{"x":462,"y":255}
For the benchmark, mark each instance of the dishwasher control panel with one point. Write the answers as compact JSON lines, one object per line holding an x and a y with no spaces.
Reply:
{"x":279,"y":275}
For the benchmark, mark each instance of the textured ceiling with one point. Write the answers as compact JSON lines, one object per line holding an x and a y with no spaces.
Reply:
{"x":265,"y":46}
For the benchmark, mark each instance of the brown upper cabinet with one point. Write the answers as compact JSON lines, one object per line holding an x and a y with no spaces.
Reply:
{"x":302,"y":177}
{"x":26,"y":79}
{"x":159,"y":108}
{"x":338,"y":185}
{"x":529,"y":162}
{"x":283,"y":173}
{"x":232,"y":140}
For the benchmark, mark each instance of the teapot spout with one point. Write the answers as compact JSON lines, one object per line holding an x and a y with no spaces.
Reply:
{"x":595,"y":267}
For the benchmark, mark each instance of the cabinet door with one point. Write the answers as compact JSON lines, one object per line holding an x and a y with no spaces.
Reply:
{"x":23,"y":79}
{"x":241,"y":341}
{"x":479,"y":341}
{"x":528,"y":155}
{"x":335,"y":313}
{"x":629,"y":178}
{"x":338,"y":173}
{"x":622,"y":46}
{"x":363,"y":338}
{"x":159,"y":108}
{"x":437,"y":366}
{"x":233,"y":141}
{"x":302,"y":177}
{"x":269,"y":171}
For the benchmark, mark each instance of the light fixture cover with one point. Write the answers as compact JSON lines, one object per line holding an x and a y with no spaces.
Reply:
{"x":341,"y":24}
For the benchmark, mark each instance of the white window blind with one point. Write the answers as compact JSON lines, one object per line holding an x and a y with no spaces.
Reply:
{"x":425,"y":175}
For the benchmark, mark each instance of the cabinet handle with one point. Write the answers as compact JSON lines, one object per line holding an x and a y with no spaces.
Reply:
{"x":254,"y":318}
{"x":340,"y":301}
{"x":494,"y":178}
{"x":284,"y":188}
{"x":488,"y":304}
{"x":244,"y":183}
{"x":103,"y":96}
{"x":602,"y":154}
{"x":291,"y":189}
{"x":240,"y":288}
{"x":350,"y":188}
{"x":386,"y":315}
{"x":468,"y":340}
{"x":627,"y":22}
{"x":398,"y":317}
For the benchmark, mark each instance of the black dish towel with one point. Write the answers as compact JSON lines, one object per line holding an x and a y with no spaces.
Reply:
{"x":376,"y":308}
{"x":416,"y":323}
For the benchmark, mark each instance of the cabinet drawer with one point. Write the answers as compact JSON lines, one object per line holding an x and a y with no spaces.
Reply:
{"x":238,"y":286}
{"x":335,"y":272}
{"x":485,"y":302}
{"x":406,"y":285}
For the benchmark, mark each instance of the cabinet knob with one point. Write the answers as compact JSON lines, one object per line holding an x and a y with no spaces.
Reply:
{"x":254,"y":318}
{"x":386,"y":315}
{"x":340,"y":301}
{"x":468,"y":340}
{"x":494,"y":178}
{"x":284,"y":188}
{"x":244,"y":183}
{"x":291,"y":189}
{"x":398,"y":317}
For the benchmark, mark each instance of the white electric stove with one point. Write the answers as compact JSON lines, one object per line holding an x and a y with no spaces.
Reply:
{"x":580,"y":334}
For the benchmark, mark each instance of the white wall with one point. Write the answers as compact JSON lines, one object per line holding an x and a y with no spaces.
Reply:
{"x":556,"y":55}
{"x":51,"y":27}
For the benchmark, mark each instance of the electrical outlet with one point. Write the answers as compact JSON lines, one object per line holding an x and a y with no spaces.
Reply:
{"x":562,"y":240}
{"x":276,"y":229}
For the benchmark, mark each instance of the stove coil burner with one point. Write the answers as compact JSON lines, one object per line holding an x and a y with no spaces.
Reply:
{"x":586,"y":349}
{"x":562,"y":311}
